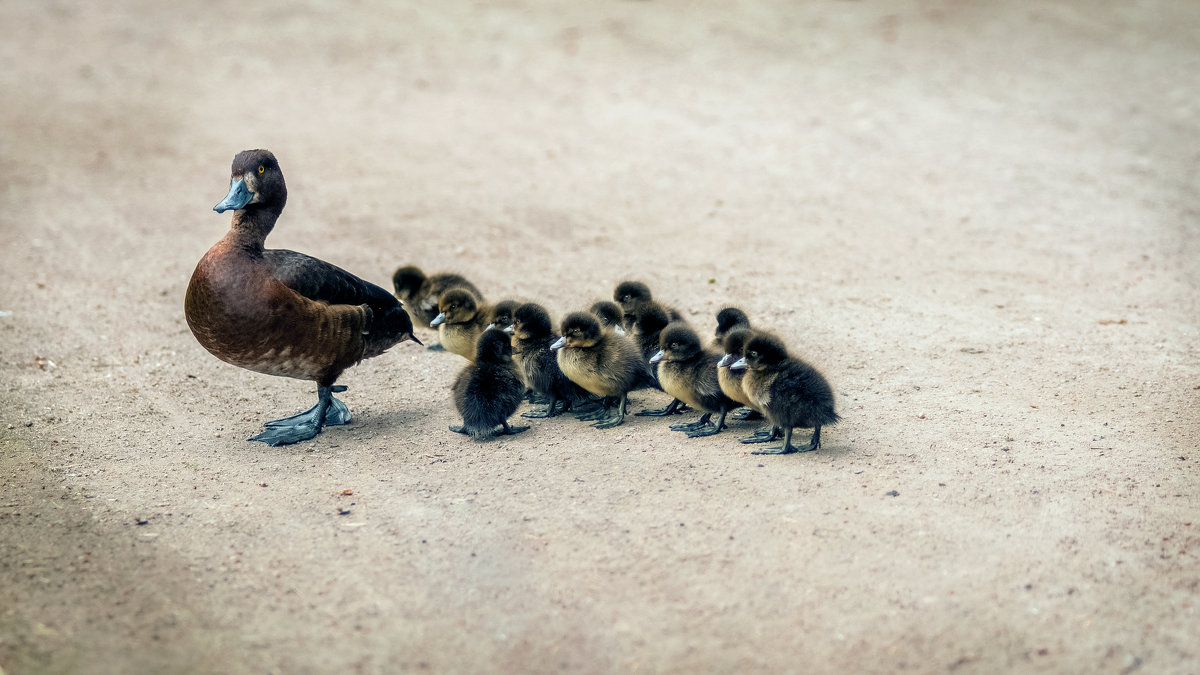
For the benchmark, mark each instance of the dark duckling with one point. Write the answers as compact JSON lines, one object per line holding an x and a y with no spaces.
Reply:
{"x":630,"y":294}
{"x":460,"y":321}
{"x":532,"y":335}
{"x":421,"y":293}
{"x":284,"y":313}
{"x":501,"y":314}
{"x":602,"y":362}
{"x":790,"y":392}
{"x":488,"y":391}
{"x":610,"y":315}
{"x":688,"y":372}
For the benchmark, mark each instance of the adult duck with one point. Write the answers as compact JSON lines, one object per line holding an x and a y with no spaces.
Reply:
{"x":284,"y":313}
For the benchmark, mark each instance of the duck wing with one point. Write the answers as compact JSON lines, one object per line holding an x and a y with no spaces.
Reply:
{"x":318,"y":280}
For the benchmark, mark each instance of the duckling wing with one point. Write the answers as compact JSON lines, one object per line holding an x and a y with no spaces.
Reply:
{"x":318,"y":280}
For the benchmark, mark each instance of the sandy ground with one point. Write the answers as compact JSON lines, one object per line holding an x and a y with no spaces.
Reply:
{"x":979,"y":219}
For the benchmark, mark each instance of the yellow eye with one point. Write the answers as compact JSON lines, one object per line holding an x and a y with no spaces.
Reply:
{"x":261,"y":168}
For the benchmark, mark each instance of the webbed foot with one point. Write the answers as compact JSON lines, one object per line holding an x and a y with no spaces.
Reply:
{"x":671,"y":408}
{"x":277,"y":435}
{"x":761,"y":436}
{"x":508,"y":430}
{"x":693,"y":426}
{"x":747,"y":414}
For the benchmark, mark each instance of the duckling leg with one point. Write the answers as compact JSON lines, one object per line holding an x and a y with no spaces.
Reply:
{"x":598,"y":413}
{"x":307,"y":424}
{"x":748,"y":414}
{"x":509,"y":431}
{"x":661,"y":412}
{"x":787,"y":448}
{"x":762,"y":436}
{"x":711,"y":429}
{"x":550,"y":411}
{"x":815,"y":443}
{"x":617,"y":418}
{"x":693,"y":426}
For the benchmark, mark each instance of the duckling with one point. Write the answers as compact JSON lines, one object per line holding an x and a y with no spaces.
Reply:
{"x":790,"y":392}
{"x":421,"y":293}
{"x":610,"y":315}
{"x":630,"y":294}
{"x":284,"y":313}
{"x":488,"y":391}
{"x":460,"y":321}
{"x":532,"y":337}
{"x":601,"y":362}
{"x":728,"y":319}
{"x":688,"y":372}
{"x":501,"y":315}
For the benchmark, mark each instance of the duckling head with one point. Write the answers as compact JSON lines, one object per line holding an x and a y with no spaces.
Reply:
{"x":629,"y":294}
{"x":493,"y":347}
{"x":580,"y":330}
{"x":407,"y":280}
{"x":730,"y":318}
{"x":763,"y":351}
{"x":678,"y":342}
{"x":530,"y":321}
{"x":650,"y":317}
{"x":456,"y":305}
{"x":502,"y":314}
{"x":610,"y":315}
{"x":255,"y":183}
{"x":733,"y":344}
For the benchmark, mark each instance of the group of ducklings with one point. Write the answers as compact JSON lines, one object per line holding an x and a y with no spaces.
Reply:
{"x":600,"y":355}
{"x":285,"y":313}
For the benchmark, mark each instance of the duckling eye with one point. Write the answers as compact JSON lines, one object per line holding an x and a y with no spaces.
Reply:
{"x":752,"y":354}
{"x":262,"y":169}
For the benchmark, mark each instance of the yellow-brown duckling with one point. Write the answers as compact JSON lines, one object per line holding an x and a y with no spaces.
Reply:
{"x":603,"y":363}
{"x":488,"y":391}
{"x":688,"y":372}
{"x":460,"y":321}
{"x":790,"y":393}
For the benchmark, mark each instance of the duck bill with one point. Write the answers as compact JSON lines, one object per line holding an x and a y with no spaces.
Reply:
{"x":658,"y":356}
{"x":508,"y":329}
{"x":490,"y":326}
{"x":618,"y":330}
{"x":414,"y":339}
{"x":740,"y":364}
{"x":559,"y":343}
{"x":725,"y":361}
{"x":438,"y":320}
{"x":239,"y":196}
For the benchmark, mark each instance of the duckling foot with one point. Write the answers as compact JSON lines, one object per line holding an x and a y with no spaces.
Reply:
{"x":787,"y":448}
{"x":709,"y":429}
{"x":459,"y":429}
{"x":662,"y":412}
{"x":746,"y":414}
{"x":761,"y":436}
{"x":617,"y":418}
{"x":693,"y":426}
{"x":600,"y":412}
{"x":510,"y":430}
{"x":551,"y":410}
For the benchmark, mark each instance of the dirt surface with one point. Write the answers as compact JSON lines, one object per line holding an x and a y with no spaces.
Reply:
{"x":981,"y":220}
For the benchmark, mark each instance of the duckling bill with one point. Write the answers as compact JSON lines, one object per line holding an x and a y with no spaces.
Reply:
{"x":790,"y":392}
{"x":488,"y":391}
{"x":284,"y":313}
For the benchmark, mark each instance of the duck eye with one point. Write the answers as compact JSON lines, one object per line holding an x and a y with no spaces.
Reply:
{"x":261,"y":168}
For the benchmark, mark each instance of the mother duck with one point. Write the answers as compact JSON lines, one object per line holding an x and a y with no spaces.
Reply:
{"x":280,"y":312}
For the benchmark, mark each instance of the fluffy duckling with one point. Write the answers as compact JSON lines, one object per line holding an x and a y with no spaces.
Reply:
{"x":284,"y":313}
{"x":790,"y":392}
{"x":630,"y":294}
{"x":460,"y":321}
{"x":421,"y":293}
{"x":532,"y":336}
{"x":488,"y":391}
{"x":602,"y":362}
{"x":501,"y":315}
{"x":610,"y":315}
{"x":688,"y":372}
{"x":728,"y":319}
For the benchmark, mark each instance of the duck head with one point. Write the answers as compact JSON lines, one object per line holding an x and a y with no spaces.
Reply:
{"x":255,"y":183}
{"x":456,"y":305}
{"x":650,"y":317}
{"x":733,"y":344}
{"x":580,"y":330}
{"x":407,"y":280}
{"x":610,"y":315}
{"x":678,"y":342}
{"x":730,"y":318}
{"x":629,"y":294}
{"x":530,"y":321}
{"x":762,"y":352}
{"x":502,"y":315}
{"x":493,"y":347}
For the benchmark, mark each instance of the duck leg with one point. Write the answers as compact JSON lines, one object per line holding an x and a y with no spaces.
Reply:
{"x":551,"y":410}
{"x":662,"y":412}
{"x":711,"y":429}
{"x":787,"y":448}
{"x":762,"y":436}
{"x":748,"y":414}
{"x":693,"y":426}
{"x":616,"y":418}
{"x":598,"y":413}
{"x":307,"y":424}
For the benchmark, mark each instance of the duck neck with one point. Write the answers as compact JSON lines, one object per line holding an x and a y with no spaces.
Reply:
{"x":251,"y":226}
